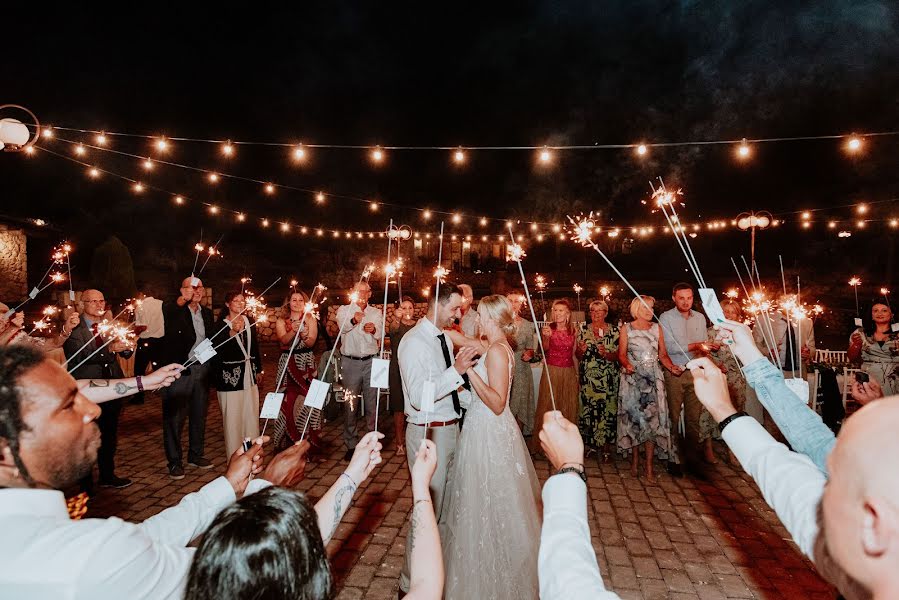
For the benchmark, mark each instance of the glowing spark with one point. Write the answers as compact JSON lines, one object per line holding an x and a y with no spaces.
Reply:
{"x":732,"y":293}
{"x":57,"y":277}
{"x":855,"y":281}
{"x":582,"y":229}
{"x":440,"y":274}
{"x":514,"y":252}
{"x":577,"y":289}
{"x":884,"y":291}
{"x":604,"y":291}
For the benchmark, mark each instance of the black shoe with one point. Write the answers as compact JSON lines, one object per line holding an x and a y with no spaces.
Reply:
{"x":349,"y":454}
{"x":675,"y":470}
{"x":200,"y":463}
{"x":118,"y":483}
{"x":176,"y":471}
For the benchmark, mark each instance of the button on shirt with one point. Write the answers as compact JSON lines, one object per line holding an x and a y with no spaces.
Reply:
{"x":46,"y":555}
{"x":356,"y":342}
{"x":421,"y":359}
{"x":197,"y":317}
{"x":679,"y":330}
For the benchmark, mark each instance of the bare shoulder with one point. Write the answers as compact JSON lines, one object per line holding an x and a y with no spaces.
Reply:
{"x":498,"y":353}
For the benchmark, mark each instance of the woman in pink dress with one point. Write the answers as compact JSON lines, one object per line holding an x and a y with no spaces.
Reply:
{"x":560,"y":366}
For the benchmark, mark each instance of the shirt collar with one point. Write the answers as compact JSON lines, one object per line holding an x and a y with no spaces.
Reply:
{"x":429,"y":327}
{"x":34,"y":503}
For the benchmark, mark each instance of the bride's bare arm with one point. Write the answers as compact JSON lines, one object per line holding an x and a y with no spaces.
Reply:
{"x":461,"y":340}
{"x":495,"y":395}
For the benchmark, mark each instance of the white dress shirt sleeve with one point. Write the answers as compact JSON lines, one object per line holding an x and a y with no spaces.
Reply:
{"x":190,"y":517}
{"x":566,"y":564}
{"x":417,"y":363}
{"x":345,"y":317}
{"x":790,"y":483}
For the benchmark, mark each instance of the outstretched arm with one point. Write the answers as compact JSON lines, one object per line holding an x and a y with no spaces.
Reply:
{"x":104,"y":390}
{"x":426,"y":561}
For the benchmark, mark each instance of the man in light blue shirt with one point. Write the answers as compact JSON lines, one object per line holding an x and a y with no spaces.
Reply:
{"x":685,"y":334}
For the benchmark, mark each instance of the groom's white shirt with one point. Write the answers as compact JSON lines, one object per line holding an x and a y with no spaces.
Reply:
{"x":421,"y":359}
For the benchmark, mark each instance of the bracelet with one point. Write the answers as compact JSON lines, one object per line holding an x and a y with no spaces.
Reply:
{"x":351,"y":480}
{"x":725,"y":422}
{"x":140,"y":385}
{"x":582,"y":473}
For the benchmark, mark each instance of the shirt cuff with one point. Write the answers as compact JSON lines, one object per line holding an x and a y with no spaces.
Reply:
{"x":566,"y":492}
{"x":744,"y":436}
{"x":219,"y":490}
{"x":257,"y":485}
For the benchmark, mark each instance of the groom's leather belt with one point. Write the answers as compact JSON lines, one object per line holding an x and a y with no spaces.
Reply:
{"x":437,"y":423}
{"x":358,"y":357}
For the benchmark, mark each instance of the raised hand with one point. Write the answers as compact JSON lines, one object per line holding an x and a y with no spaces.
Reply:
{"x":162,"y":377}
{"x":561,"y":440}
{"x":289,"y":467}
{"x":244,"y":464}
{"x":366,"y":455}
{"x":711,"y":388}
{"x":423,"y":470}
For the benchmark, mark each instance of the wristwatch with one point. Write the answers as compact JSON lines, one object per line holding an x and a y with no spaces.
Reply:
{"x":581,"y":472}
{"x":725,"y":422}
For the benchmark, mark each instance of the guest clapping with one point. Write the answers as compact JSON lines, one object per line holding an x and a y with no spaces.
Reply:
{"x":237,"y":373}
{"x":876,"y":347}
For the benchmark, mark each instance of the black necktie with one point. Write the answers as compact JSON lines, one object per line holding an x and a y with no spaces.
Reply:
{"x":446,"y":357}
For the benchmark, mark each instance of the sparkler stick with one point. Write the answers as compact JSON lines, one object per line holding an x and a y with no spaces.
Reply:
{"x":789,"y":316}
{"x":581,"y":232}
{"x":387,"y":270}
{"x":67,"y":248}
{"x":799,"y":326}
{"x":96,"y":335}
{"x":886,"y":296}
{"x":199,"y":248}
{"x":213,"y":250}
{"x":116,"y":336}
{"x":56,"y":278}
{"x":516,"y":253}
{"x":246,"y":308}
{"x":766,"y":322}
{"x":438,"y":273}
{"x":664,"y":199}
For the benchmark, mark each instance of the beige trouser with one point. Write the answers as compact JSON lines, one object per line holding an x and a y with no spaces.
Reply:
{"x":240,"y":415}
{"x":446,"y":439}
{"x":680,"y":395}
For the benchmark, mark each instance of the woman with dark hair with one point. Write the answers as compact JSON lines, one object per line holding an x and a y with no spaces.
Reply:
{"x":271,"y":544}
{"x":295,"y":323}
{"x":560,"y":366}
{"x":404,"y":320}
{"x":237,"y":374}
{"x":876,"y":347}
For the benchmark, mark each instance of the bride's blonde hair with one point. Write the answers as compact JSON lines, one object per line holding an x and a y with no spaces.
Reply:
{"x":499,"y":309}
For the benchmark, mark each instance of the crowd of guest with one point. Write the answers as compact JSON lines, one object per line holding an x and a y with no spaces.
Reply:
{"x":661,"y":386}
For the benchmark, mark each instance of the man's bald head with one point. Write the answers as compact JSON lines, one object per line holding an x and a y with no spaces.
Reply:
{"x":94,"y":304}
{"x":860,"y":505}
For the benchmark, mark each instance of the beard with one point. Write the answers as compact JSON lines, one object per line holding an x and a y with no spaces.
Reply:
{"x":831,"y":571}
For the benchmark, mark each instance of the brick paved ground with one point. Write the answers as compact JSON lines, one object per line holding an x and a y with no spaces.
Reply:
{"x":678,"y":539}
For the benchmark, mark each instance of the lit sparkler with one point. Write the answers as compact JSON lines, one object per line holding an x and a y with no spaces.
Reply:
{"x":855,"y":281}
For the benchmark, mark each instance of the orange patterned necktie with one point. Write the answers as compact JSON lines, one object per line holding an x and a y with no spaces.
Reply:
{"x":77,"y":505}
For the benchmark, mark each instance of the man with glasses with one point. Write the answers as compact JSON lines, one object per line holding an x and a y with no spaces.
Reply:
{"x":187,"y":323}
{"x":84,"y":339}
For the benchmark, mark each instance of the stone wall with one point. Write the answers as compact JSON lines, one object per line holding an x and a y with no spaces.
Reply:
{"x":13,"y":264}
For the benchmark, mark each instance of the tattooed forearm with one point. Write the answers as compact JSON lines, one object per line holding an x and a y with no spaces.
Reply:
{"x":123,"y":390}
{"x":416,"y":523}
{"x":99,"y":383}
{"x":339,"y":499}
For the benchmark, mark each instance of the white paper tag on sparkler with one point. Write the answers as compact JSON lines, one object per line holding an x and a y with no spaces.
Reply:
{"x":194,"y":281}
{"x":8,"y":314}
{"x":318,"y":391}
{"x":206,"y":355}
{"x":72,"y":295}
{"x":859,"y":322}
{"x":272,"y":406}
{"x":203,"y":346}
{"x":894,"y":327}
{"x":799,"y":387}
{"x":380,"y":370}
{"x":33,"y":293}
{"x":428,"y":393}
{"x":712,"y":307}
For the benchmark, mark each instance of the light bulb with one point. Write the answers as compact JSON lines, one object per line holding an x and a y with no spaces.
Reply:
{"x":642,"y":150}
{"x":320,"y":197}
{"x":545,"y":156}
{"x":459,"y":156}
{"x":228,"y":149}
{"x":299,"y":153}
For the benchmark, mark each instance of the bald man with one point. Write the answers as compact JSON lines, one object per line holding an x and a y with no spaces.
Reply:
{"x":99,"y":368}
{"x":854,"y":540}
{"x":187,"y":323}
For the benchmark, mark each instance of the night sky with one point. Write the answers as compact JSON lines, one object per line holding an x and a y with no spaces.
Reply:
{"x":466,"y":74}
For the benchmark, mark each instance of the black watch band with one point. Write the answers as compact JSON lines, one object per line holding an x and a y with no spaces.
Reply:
{"x":581,"y":472}
{"x":725,"y":422}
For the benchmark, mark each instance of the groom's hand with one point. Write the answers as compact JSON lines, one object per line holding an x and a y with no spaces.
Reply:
{"x":466,"y":359}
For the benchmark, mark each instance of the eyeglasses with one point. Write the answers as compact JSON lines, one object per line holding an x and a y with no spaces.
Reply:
{"x":95,"y":301}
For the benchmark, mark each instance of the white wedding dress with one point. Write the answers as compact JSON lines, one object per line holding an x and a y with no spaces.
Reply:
{"x":491,"y":534}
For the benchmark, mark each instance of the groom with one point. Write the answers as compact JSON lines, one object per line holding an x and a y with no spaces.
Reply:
{"x":426,"y":355}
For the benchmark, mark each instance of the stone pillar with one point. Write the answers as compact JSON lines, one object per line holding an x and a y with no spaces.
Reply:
{"x":13,"y":264}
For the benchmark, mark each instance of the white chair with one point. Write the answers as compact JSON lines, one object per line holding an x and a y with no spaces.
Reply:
{"x":832,"y":357}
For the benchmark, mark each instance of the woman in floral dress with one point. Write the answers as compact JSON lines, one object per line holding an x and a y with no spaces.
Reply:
{"x":597,"y":353}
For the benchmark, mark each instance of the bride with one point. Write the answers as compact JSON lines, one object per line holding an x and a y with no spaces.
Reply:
{"x":492,"y":530}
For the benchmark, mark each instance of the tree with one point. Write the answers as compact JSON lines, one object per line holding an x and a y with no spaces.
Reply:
{"x":112,"y":271}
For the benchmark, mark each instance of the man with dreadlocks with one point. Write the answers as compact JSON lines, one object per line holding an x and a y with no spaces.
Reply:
{"x":48,"y":441}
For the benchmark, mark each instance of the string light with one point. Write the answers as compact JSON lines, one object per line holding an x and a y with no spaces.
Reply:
{"x":179,"y":200}
{"x":47,"y":132}
{"x":459,"y":156}
{"x":806,"y":224}
{"x":426,"y":214}
{"x":94,"y":172}
{"x":831,"y":224}
{"x":642,"y":150}
{"x":320,"y":197}
{"x":241,"y":217}
{"x":79,"y":150}
{"x":162,"y":145}
{"x":138,"y":187}
{"x":213,"y":178}
{"x":457,"y":218}
{"x":148,"y":165}
{"x":377,"y":155}
{"x":29,"y":150}
{"x":265,"y":222}
{"x":483,"y":222}
{"x":533,"y":227}
{"x":285,"y":227}
{"x":545,"y":156}
{"x":373,"y":206}
{"x":213,"y":209}
{"x":806,"y":215}
{"x":894,"y":222}
{"x":854,"y":143}
{"x":743,"y":150}
{"x":862,"y":209}
{"x":269,"y":188}
{"x":228,"y":149}
{"x":299,"y":153}
{"x":101,"y":139}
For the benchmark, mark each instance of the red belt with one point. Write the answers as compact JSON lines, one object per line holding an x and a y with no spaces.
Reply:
{"x":437,"y":423}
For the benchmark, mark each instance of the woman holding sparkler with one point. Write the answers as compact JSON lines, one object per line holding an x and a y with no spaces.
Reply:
{"x":876,"y":347}
{"x":522,"y":401}
{"x":237,"y":374}
{"x":597,"y":351}
{"x":296,"y":321}
{"x":560,"y":361}
{"x":642,"y":406}
{"x":404,"y":321}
